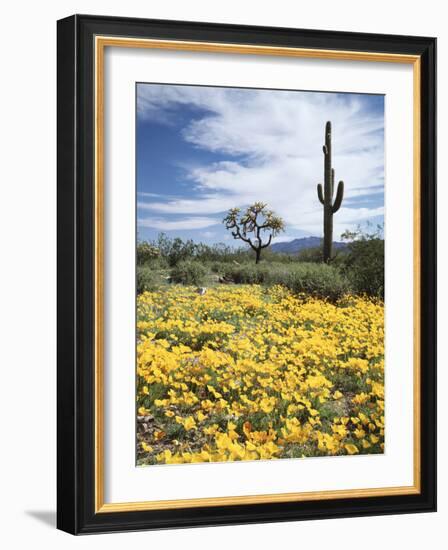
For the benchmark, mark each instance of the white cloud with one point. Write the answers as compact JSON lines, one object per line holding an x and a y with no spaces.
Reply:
{"x":211,"y":204}
{"x":163,"y":224}
{"x":274,"y":143}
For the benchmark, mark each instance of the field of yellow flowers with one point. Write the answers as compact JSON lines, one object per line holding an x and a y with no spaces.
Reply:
{"x":248,"y":373}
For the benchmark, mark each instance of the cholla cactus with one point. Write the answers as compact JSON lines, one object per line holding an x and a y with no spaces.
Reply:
{"x":252,"y":225}
{"x":326,"y":197}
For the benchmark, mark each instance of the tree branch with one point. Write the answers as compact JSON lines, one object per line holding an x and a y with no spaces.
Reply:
{"x":268,"y":243}
{"x":237,"y":235}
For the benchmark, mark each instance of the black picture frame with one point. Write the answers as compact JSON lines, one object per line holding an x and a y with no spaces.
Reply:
{"x":76,"y":271}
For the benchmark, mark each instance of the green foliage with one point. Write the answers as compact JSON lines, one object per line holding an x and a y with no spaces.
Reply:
{"x":319,"y":280}
{"x":311,"y":255}
{"x":248,"y":274}
{"x":147,"y":279}
{"x":171,"y":251}
{"x":364,"y":262}
{"x":146,"y":252}
{"x":189,"y":273}
{"x":358,"y":268}
{"x":219,"y":252}
{"x":175,"y":250}
{"x":218,"y":267}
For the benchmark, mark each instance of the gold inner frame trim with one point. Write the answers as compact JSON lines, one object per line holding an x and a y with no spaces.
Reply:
{"x":101,"y":42}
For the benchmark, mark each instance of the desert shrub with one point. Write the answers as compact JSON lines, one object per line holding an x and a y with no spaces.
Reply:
{"x":269,"y":256}
{"x":311,"y":255}
{"x":249,"y":273}
{"x":315,"y":255}
{"x":218,"y":267}
{"x":319,"y":280}
{"x":146,"y":252}
{"x":174,"y":250}
{"x":221,"y":252}
{"x":189,"y":273}
{"x":365,"y":267}
{"x":363,"y":264}
{"x":147,"y":279}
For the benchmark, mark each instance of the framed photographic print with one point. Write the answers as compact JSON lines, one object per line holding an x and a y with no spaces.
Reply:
{"x":246,"y":274}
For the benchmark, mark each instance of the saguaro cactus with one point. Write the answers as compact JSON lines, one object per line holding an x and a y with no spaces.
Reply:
{"x":326,"y":196}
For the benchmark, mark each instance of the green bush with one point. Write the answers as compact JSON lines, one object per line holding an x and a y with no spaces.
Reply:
{"x":175,"y":250}
{"x":364,"y":267}
{"x":246,"y":274}
{"x":364,"y":262}
{"x":189,"y":273}
{"x":314,"y":255}
{"x":146,"y":252}
{"x":218,"y":267}
{"x":147,"y":279}
{"x":319,"y":280}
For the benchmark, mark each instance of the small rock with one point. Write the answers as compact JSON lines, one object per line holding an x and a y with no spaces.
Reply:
{"x":147,"y":418}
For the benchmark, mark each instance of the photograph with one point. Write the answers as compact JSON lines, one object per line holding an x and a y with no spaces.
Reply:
{"x":246,"y":262}
{"x":260,"y":292}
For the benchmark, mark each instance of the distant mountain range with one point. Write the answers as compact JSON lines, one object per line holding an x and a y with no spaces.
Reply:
{"x":297,"y":245}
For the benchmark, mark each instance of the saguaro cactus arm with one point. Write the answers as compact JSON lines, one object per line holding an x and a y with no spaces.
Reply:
{"x":320,"y":193}
{"x":339,"y":197}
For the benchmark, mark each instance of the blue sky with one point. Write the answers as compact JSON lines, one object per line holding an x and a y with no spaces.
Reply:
{"x":202,"y":150}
